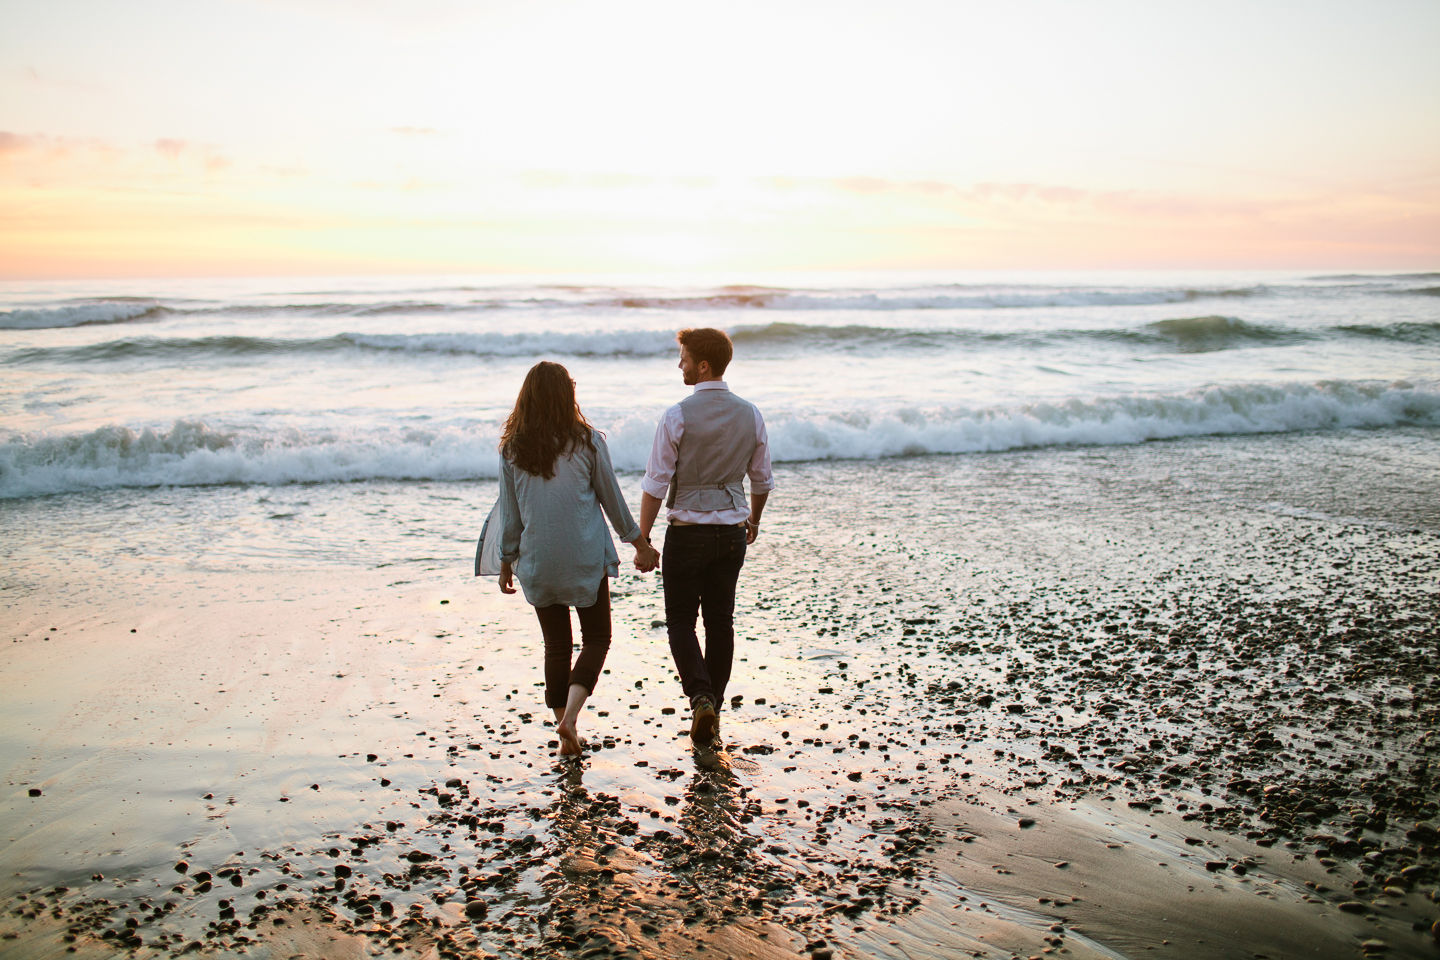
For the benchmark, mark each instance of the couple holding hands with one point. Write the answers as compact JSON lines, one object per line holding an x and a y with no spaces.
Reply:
{"x":555,"y":481}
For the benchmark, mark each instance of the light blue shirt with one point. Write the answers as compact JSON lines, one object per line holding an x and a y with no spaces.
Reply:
{"x":554,"y":534}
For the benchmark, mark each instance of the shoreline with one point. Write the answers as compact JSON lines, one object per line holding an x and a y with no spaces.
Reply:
{"x":883,"y":668}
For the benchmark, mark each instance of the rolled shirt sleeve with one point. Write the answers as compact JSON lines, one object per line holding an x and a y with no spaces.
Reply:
{"x":762,"y":478}
{"x":514,"y":525}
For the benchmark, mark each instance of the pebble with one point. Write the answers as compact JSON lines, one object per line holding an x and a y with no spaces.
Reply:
{"x":1353,"y":906}
{"x":1290,"y":801}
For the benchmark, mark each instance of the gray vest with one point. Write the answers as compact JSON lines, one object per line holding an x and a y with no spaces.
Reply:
{"x":714,"y":453}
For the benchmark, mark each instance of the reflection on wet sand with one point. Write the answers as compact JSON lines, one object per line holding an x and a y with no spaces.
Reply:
{"x":1028,"y":718}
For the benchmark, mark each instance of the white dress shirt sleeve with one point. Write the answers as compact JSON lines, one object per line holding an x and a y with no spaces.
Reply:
{"x":664,"y":453}
{"x":762,"y":478}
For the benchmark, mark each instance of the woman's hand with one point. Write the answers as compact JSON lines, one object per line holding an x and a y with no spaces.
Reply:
{"x":507,"y":577}
{"x":647,"y":558}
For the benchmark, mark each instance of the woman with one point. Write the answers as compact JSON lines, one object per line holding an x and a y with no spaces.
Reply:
{"x":555,"y":477}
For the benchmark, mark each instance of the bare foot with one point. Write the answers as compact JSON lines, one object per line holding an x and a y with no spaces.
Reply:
{"x":569,"y":743}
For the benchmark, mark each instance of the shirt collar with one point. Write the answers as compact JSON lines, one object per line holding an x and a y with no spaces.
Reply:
{"x":711,"y":385}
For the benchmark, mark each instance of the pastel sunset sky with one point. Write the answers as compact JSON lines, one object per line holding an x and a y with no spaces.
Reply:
{"x":222,"y":137}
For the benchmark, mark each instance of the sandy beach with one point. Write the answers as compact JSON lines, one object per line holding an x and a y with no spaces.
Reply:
{"x":1059,"y":701}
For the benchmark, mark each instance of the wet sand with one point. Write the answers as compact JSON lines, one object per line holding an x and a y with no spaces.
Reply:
{"x":1169,"y":700}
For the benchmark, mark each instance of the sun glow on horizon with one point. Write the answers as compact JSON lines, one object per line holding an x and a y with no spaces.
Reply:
{"x":325,"y":137}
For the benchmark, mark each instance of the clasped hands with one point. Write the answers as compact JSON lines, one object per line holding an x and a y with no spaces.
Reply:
{"x":647,"y":558}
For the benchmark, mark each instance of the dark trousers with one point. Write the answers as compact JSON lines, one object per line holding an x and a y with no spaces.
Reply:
{"x":560,"y":645}
{"x":701,"y":565}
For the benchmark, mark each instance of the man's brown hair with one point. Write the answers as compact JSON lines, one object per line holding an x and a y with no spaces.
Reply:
{"x":708,"y":344}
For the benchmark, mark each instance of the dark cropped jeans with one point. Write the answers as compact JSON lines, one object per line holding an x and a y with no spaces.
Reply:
{"x":560,"y":646}
{"x":701,"y":566}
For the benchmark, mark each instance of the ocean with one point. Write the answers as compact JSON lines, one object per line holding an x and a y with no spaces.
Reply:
{"x":270,"y":382}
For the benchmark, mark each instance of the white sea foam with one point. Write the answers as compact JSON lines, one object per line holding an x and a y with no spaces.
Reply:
{"x":991,"y":301}
{"x":75,"y":315}
{"x":1187,"y":334}
{"x":607,"y":302}
{"x":1005,"y":298}
{"x":1228,"y":410}
{"x":609,"y":343}
{"x":191,"y":453}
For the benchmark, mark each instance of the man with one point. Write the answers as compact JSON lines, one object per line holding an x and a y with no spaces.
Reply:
{"x":704,"y":448}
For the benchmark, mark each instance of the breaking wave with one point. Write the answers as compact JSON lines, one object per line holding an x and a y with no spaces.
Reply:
{"x":1185,"y":335}
{"x":191,"y":453}
{"x":126,"y":309}
{"x":1203,"y":334}
{"x":1011,"y":298}
{"x":117,"y":310}
{"x":1403,"y":332}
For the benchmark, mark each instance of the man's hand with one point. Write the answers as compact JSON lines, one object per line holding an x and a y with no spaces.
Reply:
{"x":647,"y":558}
{"x":757,"y":507}
{"x":507,"y":577}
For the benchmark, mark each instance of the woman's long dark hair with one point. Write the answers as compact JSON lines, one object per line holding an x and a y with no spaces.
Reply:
{"x":546,"y":421}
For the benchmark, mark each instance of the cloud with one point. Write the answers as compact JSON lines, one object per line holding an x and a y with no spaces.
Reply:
{"x":172,"y":150}
{"x":864,"y":185}
{"x":614,"y":181}
{"x":14,"y":142}
{"x":53,"y":147}
{"x":412,"y":185}
{"x":1039,"y":202}
{"x":31,"y":75}
{"x":553,"y":179}
{"x":417,"y":15}
{"x":63,"y":160}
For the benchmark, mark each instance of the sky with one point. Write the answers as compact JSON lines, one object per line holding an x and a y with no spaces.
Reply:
{"x":257,"y":137}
